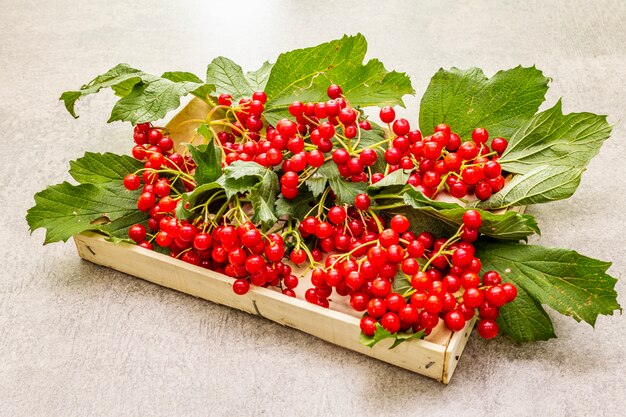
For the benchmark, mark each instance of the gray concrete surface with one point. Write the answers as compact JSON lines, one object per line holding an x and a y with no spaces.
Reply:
{"x":80,"y":340}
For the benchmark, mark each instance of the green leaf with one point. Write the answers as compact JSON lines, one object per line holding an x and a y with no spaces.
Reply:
{"x":568,"y":282}
{"x":382,"y":334}
{"x":151,"y":100}
{"x":506,"y":226}
{"x":541,"y":185}
{"x":144,"y":97}
{"x":196,"y":197}
{"x":227,"y":77}
{"x":208,"y":164}
{"x":120,"y":75}
{"x":107,"y":168}
{"x":525,"y":320}
{"x":317,"y":182}
{"x":304,"y":74}
{"x":390,"y":184}
{"x":296,"y":208}
{"x":552,"y":138}
{"x":65,"y":210}
{"x":258,"y":79}
{"x":263,"y":198}
{"x":346,"y":191}
{"x":100,"y":202}
{"x":467,"y":99}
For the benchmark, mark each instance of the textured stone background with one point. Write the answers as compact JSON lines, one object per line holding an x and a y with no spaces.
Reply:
{"x":77,"y":339}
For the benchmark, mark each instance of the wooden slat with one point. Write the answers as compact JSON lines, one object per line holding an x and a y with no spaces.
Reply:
{"x":421,"y":356}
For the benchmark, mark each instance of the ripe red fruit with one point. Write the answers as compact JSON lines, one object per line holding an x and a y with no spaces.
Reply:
{"x":387,"y":114}
{"x":391,"y":322}
{"x":315,"y":158}
{"x":472,"y":219}
{"x":368,"y":326}
{"x":289,"y":180}
{"x":401,"y":127}
{"x":251,"y":238}
{"x":132,"y":182}
{"x":225,"y":100}
{"x":362,"y":201}
{"x":388,"y":237}
{"x":468,"y":151}
{"x":334,"y":91}
{"x":368,"y":157}
{"x":296,"y":108}
{"x":376,"y":307}
{"x":381,"y":287}
{"x":492,"y":169}
{"x":510,"y":290}
{"x":399,"y":223}
{"x":483,"y":190}
{"x":241,"y":286}
{"x":337,"y":215}
{"x":491,"y":278}
{"x":137,"y":233}
{"x":472,"y":297}
{"x":260,"y":96}
{"x":409,"y":314}
{"x":146,"y":201}
{"x":454,"y":320}
{"x":297,"y":256}
{"x":499,"y":145}
{"x":487,"y":329}
{"x":348,"y":116}
{"x":480,"y":135}
{"x":341,"y":156}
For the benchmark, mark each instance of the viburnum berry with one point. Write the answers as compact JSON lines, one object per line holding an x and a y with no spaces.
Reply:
{"x":472,"y":219}
{"x":387,"y":114}
{"x":362,"y":201}
{"x":480,"y":135}
{"x":499,"y":145}
{"x":297,"y":256}
{"x":132,"y":182}
{"x":334,"y":91}
{"x":337,"y":215}
{"x":401,"y":127}
{"x":468,"y":151}
{"x":510,"y":291}
{"x":391,"y":322}
{"x":137,"y":233}
{"x":454,"y":320}
{"x":225,"y":99}
{"x":368,"y":326}
{"x":487,"y":329}
{"x":399,"y":223}
{"x":241,"y":286}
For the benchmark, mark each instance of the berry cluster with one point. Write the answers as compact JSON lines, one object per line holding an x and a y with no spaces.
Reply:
{"x":363,"y":250}
{"x":442,"y":161}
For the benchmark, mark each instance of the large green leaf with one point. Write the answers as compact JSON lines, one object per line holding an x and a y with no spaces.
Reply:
{"x":107,"y":168}
{"x":552,"y":138}
{"x":346,"y":191}
{"x":144,"y":97}
{"x":467,"y":99}
{"x":258,"y":79}
{"x":506,"y":226}
{"x":568,"y":282}
{"x":304,"y":74}
{"x":227,"y":77}
{"x":525,"y":320}
{"x":65,"y":210}
{"x":541,"y":185}
{"x":296,"y":208}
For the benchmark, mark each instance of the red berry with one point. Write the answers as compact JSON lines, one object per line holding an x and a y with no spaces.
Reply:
{"x":132,"y":182}
{"x":468,"y":151}
{"x":492,"y":169}
{"x":391,"y":322}
{"x":510,"y":290}
{"x":399,"y":223}
{"x":472,"y":219}
{"x":487,"y":329}
{"x":409,"y":314}
{"x":296,"y":109}
{"x":337,"y":215}
{"x":401,"y":127}
{"x":260,"y":96}
{"x":376,"y":307}
{"x":480,"y":135}
{"x":362,"y":201}
{"x":454,"y":320}
{"x":137,"y":233}
{"x":341,"y":156}
{"x":241,"y":286}
{"x":146,"y":201}
{"x":368,"y":326}
{"x":472,"y":297}
{"x":387,"y":114}
{"x":499,"y":145}
{"x":483,"y":190}
{"x":225,"y":100}
{"x":334,"y":91}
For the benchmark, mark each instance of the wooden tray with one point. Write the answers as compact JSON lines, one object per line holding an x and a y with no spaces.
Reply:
{"x":435,"y":357}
